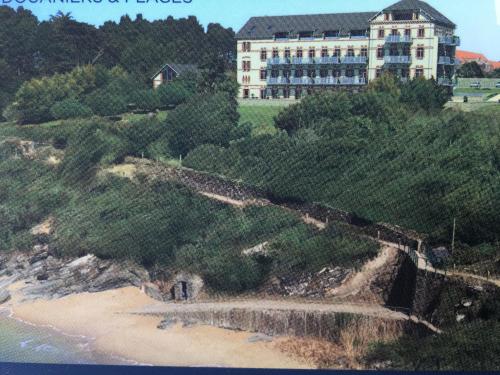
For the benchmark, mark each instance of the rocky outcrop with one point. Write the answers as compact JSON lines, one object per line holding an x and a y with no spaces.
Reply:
{"x":311,"y":285}
{"x":49,"y":277}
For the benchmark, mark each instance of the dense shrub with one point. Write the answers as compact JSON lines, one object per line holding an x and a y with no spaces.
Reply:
{"x":204,"y":119}
{"x":70,"y":108}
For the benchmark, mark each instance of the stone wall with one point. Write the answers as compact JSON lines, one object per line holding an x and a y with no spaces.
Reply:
{"x":325,"y":325}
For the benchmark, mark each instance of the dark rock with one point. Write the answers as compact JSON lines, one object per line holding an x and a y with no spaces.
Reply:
{"x":4,"y":296}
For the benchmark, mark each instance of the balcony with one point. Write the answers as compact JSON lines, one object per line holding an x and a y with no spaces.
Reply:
{"x":278,"y":61}
{"x":397,"y":59}
{"x":352,"y":81}
{"x":446,"y":60}
{"x":278,"y":81}
{"x":450,"y":40}
{"x":302,"y":61}
{"x":395,"y":39}
{"x":443,"y":81}
{"x":353,"y":60}
{"x":327,"y":60}
{"x":302,"y":81}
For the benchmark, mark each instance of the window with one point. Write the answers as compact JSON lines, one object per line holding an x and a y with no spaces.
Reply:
{"x":276,"y":53}
{"x":378,"y":73}
{"x":364,"y":52}
{"x":419,"y":72}
{"x":358,"y":33}
{"x":306,"y":35}
{"x":349,"y":73}
{"x":323,"y":73}
{"x":394,"y":32}
{"x":403,"y":16}
{"x":311,"y":73}
{"x":298,"y":92}
{"x":246,"y":66}
{"x":263,"y":54}
{"x":404,"y":73}
{"x":381,"y":33}
{"x":420,"y":52}
{"x":387,"y":17}
{"x":281,"y":36}
{"x":408,"y":32}
{"x":275,"y":73}
{"x":332,"y":34}
{"x":246,"y":46}
{"x":246,"y":79}
{"x":246,"y":93}
{"x":287,"y":53}
{"x":300,"y":53}
{"x":286,"y":93}
{"x":286,"y":73}
{"x":350,"y":52}
{"x":312,"y":53}
{"x":263,"y":94}
{"x":362,"y":73}
{"x":380,"y":53}
{"x":324,"y":52}
{"x":299,"y":73}
{"x":421,"y":32}
{"x":263,"y":74}
{"x":274,"y":93}
{"x":337,"y":52}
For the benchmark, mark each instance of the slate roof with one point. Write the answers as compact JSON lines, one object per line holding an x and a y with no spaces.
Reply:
{"x":266,"y":27}
{"x":433,"y":13}
{"x":180,"y":69}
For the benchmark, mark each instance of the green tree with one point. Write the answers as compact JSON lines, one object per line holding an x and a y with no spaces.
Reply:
{"x":470,"y":70}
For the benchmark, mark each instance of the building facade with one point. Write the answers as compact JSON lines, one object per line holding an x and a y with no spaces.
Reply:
{"x":287,"y":57}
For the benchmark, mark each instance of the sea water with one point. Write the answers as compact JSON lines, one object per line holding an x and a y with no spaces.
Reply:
{"x":21,"y":342}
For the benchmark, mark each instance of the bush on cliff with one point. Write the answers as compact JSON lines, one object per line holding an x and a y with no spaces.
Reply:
{"x":204,"y":119}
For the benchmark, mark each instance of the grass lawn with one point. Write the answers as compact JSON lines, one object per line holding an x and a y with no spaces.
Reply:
{"x":261,"y":118}
{"x":470,"y":90}
{"x":474,"y":106}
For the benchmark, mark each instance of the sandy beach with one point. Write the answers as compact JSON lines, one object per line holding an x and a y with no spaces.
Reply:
{"x":106,"y":318}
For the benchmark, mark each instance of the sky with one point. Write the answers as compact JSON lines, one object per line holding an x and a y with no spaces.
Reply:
{"x":478,"y":20}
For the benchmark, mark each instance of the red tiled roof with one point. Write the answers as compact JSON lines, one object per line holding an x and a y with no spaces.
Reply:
{"x":466,"y":55}
{"x":495,"y":64}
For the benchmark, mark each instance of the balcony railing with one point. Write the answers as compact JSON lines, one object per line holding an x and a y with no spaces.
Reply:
{"x":352,"y":81}
{"x":398,"y":39}
{"x":327,"y":60}
{"x":302,"y":61}
{"x":397,"y":59}
{"x":353,"y":60}
{"x":446,"y":60}
{"x":445,"y":81}
{"x":277,"y":81}
{"x":302,"y":81}
{"x":450,"y":40}
{"x":278,"y":61}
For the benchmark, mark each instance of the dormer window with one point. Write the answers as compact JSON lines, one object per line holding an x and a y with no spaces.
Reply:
{"x":330,"y":34}
{"x":281,"y":36}
{"x":403,"y":16}
{"x":358,"y":33}
{"x":306,"y":35}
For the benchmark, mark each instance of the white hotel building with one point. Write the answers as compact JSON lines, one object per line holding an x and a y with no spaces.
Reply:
{"x":287,"y":57}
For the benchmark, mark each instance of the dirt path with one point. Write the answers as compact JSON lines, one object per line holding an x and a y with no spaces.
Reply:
{"x":128,"y":170}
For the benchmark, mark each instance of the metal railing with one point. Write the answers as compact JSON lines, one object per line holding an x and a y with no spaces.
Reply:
{"x":278,"y":61}
{"x":277,"y":81}
{"x":445,"y":81}
{"x":340,"y":81}
{"x":302,"y":81}
{"x":450,"y":40}
{"x":353,"y":60}
{"x":446,"y":60}
{"x":398,"y":39}
{"x":397,"y":59}
{"x":327,"y":60}
{"x":302,"y":60}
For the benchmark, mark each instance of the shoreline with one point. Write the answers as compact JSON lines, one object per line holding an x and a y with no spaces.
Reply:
{"x":106,"y":321}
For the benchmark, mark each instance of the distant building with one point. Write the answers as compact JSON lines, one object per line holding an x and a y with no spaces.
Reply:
{"x":487,"y":65}
{"x":290,"y":56}
{"x":170,"y":71}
